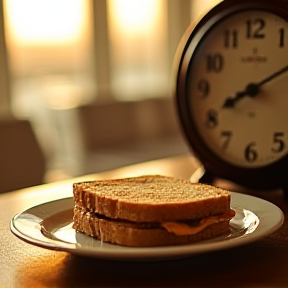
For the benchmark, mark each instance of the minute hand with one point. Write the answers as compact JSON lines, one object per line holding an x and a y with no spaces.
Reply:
{"x":272,"y":76}
{"x":252,"y":89}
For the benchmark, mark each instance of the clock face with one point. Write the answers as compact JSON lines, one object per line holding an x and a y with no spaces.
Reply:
{"x":237,"y":87}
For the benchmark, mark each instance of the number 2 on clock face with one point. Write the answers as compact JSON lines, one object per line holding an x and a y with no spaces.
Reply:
{"x":238,"y":51}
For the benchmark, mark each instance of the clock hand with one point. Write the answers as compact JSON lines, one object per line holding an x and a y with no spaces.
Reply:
{"x":252,"y":89}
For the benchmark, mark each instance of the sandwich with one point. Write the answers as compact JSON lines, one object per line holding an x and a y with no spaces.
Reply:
{"x":150,"y":210}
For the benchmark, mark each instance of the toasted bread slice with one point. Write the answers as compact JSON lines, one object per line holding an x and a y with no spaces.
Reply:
{"x":135,"y":234}
{"x":151,"y":198}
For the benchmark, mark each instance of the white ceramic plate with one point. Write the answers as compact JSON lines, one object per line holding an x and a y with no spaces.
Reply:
{"x":49,"y":225}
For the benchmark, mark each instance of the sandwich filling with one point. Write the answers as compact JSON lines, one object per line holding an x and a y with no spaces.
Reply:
{"x":180,"y":227}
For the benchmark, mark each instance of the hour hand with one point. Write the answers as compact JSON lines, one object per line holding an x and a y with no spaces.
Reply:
{"x":231,"y":101}
{"x":251,"y":91}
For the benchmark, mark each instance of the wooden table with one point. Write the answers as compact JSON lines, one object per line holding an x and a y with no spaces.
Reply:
{"x":260,"y":264}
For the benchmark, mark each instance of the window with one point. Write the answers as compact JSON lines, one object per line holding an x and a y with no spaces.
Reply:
{"x":68,"y":53}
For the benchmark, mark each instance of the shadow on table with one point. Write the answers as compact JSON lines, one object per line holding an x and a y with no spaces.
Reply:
{"x":248,"y":266}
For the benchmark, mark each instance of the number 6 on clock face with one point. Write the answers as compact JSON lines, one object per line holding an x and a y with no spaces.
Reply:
{"x":232,"y":88}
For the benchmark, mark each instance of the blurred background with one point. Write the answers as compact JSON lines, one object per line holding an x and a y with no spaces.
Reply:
{"x":85,"y":86}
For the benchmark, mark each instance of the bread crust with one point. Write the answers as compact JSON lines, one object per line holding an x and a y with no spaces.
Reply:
{"x":151,"y":198}
{"x":127,"y":234}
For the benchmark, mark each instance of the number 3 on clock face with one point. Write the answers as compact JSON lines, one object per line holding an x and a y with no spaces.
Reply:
{"x":232,"y":86}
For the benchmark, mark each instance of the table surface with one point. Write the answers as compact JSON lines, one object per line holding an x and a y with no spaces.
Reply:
{"x":263,"y":263}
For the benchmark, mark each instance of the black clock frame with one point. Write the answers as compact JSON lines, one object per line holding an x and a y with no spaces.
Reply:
{"x":271,"y":176}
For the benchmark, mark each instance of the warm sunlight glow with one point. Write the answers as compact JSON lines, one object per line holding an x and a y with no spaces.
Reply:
{"x":44,"y":21}
{"x":138,"y":37}
{"x":134,"y":16}
{"x":202,"y":6}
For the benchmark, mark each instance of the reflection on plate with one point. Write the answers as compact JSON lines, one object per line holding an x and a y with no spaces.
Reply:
{"x":49,"y":225}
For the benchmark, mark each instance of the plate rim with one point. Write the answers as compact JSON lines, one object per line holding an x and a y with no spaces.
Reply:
{"x":164,"y":252}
